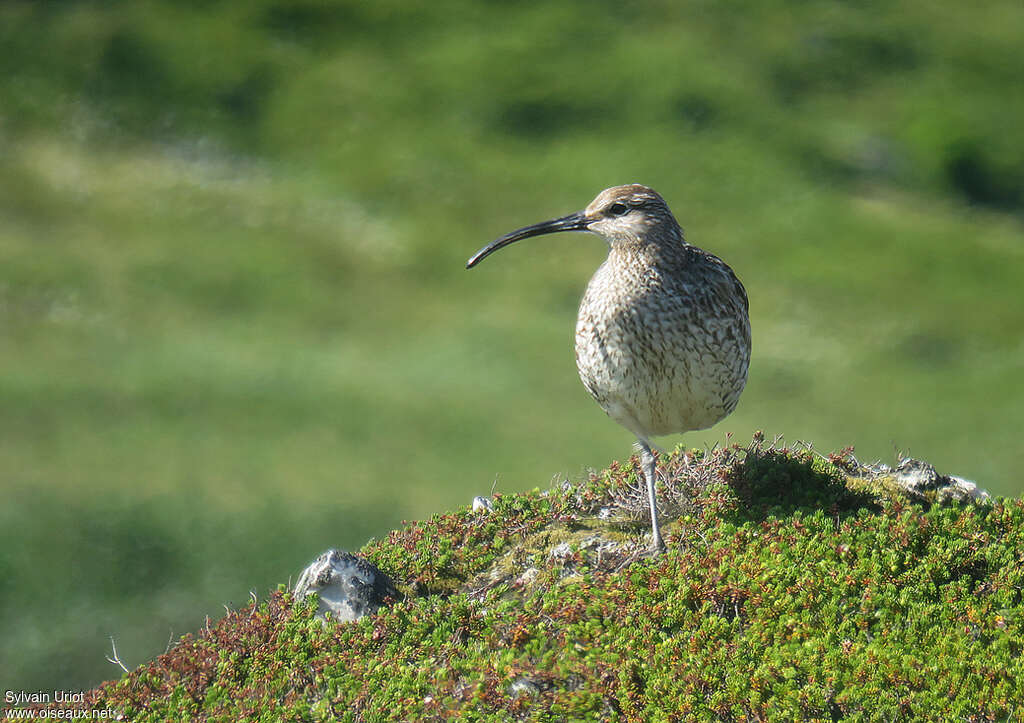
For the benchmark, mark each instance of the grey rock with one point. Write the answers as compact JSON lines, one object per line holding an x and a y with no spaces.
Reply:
{"x":919,"y":477}
{"x":524,"y":686}
{"x":349,"y":586}
{"x":920,"y":480}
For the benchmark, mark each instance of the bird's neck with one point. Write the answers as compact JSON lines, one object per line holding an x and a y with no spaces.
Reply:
{"x":668,"y":248}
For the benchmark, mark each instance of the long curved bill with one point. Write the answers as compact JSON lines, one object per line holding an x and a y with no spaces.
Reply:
{"x":572,"y":222}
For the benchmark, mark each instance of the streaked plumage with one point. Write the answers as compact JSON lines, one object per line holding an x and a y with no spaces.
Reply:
{"x":663,"y":334}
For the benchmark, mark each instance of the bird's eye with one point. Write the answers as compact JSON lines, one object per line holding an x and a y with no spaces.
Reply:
{"x":618,"y":209}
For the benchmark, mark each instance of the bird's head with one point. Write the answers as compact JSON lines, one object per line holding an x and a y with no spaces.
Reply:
{"x":630,"y":215}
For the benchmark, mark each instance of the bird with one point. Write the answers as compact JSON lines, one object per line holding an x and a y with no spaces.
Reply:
{"x":663,"y":332}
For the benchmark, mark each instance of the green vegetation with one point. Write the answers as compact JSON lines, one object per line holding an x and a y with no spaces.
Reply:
{"x":234,"y":324}
{"x":785,"y":595}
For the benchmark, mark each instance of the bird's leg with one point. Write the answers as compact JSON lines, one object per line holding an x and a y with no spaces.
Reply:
{"x":647,"y":459}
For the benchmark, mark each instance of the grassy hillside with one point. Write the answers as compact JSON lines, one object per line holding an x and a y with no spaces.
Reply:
{"x":231,"y":285}
{"x":789,"y":592}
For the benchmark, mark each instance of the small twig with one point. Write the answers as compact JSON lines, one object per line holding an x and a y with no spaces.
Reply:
{"x":632,"y":557}
{"x":810,"y":448}
{"x":899,"y":453}
{"x":116,"y":660}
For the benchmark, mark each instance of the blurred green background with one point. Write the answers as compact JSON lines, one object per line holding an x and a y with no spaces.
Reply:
{"x":235,"y":327}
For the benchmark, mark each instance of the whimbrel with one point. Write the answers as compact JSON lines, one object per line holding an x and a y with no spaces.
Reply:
{"x":663,"y":334}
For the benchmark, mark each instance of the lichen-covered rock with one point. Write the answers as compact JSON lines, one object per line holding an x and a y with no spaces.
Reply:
{"x":921,"y":482}
{"x":349,"y":587}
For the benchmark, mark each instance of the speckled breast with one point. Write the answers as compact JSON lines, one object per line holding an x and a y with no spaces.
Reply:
{"x":664,"y":354}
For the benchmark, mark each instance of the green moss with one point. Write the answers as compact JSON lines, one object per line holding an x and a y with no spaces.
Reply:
{"x":826,"y":603}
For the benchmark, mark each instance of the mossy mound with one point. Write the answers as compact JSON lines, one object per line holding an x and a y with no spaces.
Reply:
{"x":785,"y":595}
